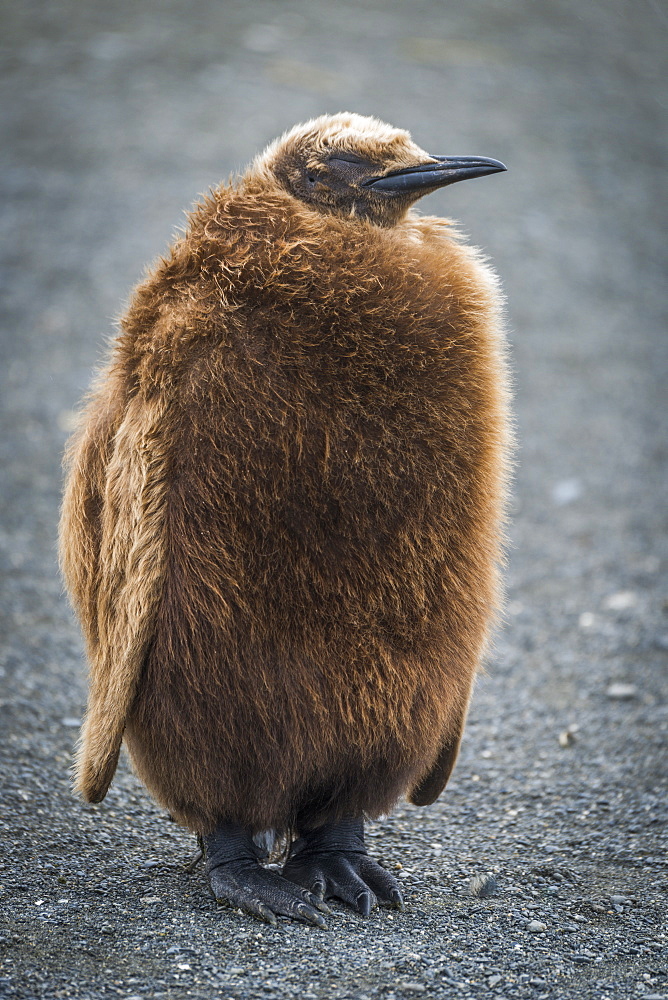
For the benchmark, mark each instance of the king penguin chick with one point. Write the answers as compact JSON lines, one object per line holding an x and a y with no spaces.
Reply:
{"x":282,"y":517}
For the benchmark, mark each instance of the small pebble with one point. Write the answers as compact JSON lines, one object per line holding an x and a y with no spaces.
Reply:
{"x":482,"y":886}
{"x":70,"y":723}
{"x":621,"y":692}
{"x":536,"y":926}
{"x":150,"y":899}
{"x":493,"y":980}
{"x":621,"y":601}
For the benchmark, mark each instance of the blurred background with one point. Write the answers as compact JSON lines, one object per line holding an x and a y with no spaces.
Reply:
{"x":114,"y":118}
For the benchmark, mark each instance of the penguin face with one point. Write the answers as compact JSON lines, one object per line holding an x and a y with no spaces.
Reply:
{"x":361,"y":167}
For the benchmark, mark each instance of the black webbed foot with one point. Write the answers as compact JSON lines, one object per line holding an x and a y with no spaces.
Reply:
{"x":236,"y":877}
{"x":332,"y":861}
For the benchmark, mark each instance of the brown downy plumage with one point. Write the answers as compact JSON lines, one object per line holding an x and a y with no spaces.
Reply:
{"x":282,"y":514}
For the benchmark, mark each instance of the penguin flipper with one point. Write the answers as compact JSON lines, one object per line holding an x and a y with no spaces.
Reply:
{"x":432,"y":784}
{"x":120,"y":598}
{"x":80,"y":531}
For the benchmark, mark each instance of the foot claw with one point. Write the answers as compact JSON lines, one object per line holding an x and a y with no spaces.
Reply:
{"x":266,"y":914}
{"x":309,"y":914}
{"x":364,"y":903}
{"x":397,"y":900}
{"x":318,"y":888}
{"x":193,"y":861}
{"x":317,"y":902}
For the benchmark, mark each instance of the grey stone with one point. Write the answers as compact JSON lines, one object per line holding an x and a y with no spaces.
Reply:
{"x":621,"y":692}
{"x":483,"y":886}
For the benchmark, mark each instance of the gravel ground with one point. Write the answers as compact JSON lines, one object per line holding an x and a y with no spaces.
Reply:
{"x":114,"y":117}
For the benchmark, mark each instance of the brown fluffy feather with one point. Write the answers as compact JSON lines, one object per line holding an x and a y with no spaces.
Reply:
{"x":282,"y":515}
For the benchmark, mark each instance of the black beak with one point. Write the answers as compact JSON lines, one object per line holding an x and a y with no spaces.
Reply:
{"x":429,"y":176}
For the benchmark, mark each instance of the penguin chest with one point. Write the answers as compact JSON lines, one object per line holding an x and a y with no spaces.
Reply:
{"x":326,"y":516}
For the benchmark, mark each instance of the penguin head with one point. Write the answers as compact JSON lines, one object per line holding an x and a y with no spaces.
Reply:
{"x":357,"y":166}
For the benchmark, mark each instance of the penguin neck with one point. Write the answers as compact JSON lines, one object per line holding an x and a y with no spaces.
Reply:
{"x":273,"y":248}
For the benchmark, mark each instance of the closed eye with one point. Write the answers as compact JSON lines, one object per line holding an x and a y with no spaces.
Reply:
{"x":345,"y":158}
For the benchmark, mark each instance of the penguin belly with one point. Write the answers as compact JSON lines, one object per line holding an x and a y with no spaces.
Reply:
{"x":309,"y":647}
